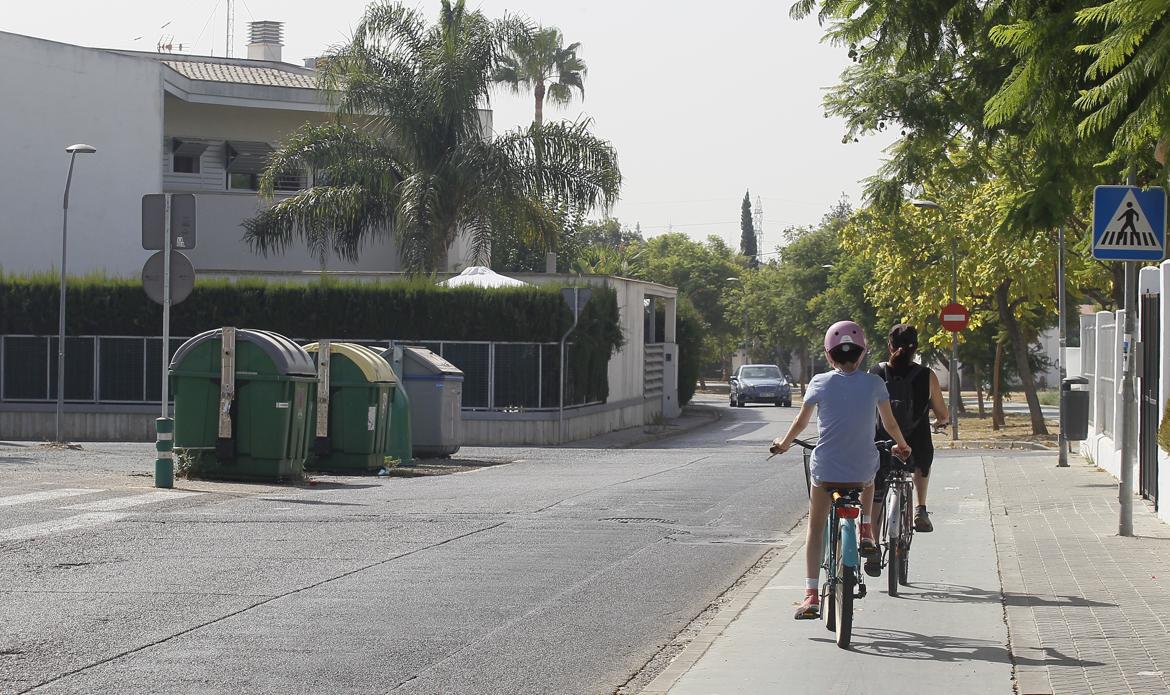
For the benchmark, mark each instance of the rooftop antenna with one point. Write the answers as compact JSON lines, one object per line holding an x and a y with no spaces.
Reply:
{"x":231,"y":27}
{"x":758,"y":224}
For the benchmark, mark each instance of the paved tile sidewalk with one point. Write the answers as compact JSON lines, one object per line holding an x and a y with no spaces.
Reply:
{"x":1088,"y":611}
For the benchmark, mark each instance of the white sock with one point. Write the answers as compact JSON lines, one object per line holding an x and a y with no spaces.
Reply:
{"x":810,"y":583}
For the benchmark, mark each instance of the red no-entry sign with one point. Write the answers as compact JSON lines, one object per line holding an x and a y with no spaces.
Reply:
{"x":954,"y":317}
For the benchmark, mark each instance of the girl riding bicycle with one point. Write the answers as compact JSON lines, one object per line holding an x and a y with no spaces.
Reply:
{"x":848,"y":402}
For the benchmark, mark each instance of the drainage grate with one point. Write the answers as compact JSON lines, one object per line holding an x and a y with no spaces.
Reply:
{"x":638,"y":520}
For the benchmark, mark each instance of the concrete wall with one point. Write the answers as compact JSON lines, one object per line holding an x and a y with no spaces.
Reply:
{"x":136,"y":424}
{"x":56,"y":95}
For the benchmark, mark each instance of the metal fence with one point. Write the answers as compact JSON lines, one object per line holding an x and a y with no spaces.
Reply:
{"x":1089,"y":358}
{"x":127,"y":370}
{"x":1107,"y":335}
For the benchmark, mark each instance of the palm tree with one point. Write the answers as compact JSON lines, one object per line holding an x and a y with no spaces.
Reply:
{"x":408,"y":153}
{"x":538,"y":61}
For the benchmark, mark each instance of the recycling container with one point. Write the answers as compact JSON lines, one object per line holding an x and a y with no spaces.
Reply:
{"x":267,"y":405}
{"x":398,"y":444}
{"x":435,"y":389}
{"x":1074,"y":408}
{"x":352,"y":420}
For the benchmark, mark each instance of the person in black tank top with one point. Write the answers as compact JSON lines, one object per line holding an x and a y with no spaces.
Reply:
{"x":925,"y":396}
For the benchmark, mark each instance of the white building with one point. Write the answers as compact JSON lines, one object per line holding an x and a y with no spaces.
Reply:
{"x":161,"y":122}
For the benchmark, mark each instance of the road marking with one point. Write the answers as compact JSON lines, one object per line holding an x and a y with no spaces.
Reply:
{"x":43,"y":495}
{"x":46,"y":528}
{"x":731,"y":427}
{"x":127,"y":502}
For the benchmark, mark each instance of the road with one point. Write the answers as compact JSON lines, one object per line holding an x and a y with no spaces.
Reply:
{"x":554,"y":571}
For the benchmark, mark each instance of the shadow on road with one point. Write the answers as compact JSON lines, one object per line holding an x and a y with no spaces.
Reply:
{"x":958,"y":593}
{"x":902,"y":644}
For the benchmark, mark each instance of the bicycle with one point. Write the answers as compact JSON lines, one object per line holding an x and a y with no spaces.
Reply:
{"x":843,"y":579}
{"x":897,"y":532}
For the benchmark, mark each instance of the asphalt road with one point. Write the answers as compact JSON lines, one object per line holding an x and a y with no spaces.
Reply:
{"x":556,"y":571}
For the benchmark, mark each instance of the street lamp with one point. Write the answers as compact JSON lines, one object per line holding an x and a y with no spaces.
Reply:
{"x":73,"y":151}
{"x":745,"y":316}
{"x":923,"y":204}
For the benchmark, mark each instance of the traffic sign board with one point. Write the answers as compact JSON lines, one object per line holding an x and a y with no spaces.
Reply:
{"x":182,"y":277}
{"x":182,"y":220}
{"x":1129,"y":224}
{"x":954,"y":317}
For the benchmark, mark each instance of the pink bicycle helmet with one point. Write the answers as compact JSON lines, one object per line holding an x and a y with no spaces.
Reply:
{"x":844,"y":333}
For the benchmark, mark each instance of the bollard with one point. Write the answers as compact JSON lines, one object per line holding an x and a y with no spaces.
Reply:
{"x":164,"y":465}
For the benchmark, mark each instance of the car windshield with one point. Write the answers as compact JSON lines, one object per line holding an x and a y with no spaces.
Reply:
{"x":768,"y":372}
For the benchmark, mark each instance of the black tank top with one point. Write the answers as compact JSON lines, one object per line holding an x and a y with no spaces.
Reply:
{"x":920,"y":388}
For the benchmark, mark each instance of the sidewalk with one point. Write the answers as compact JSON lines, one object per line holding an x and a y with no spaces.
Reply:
{"x":1023,"y":587}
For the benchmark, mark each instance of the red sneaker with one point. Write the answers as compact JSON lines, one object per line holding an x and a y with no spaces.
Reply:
{"x":810,"y":608}
{"x":868,"y":546}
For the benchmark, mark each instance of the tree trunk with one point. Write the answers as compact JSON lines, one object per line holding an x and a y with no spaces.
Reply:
{"x":979,"y":391}
{"x":540,"y":103}
{"x":997,"y":420}
{"x":1020,"y":351}
{"x":804,"y":367}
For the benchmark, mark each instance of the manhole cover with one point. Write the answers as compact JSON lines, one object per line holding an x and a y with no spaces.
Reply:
{"x":638,"y":520}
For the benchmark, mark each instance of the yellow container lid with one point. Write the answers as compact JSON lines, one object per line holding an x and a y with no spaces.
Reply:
{"x":372,"y":366}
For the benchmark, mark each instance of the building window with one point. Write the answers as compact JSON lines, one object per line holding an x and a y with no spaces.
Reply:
{"x":186,"y":154}
{"x":184,"y":165}
{"x":240,"y":181}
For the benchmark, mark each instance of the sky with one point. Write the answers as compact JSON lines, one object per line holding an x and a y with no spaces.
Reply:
{"x":702,"y":100}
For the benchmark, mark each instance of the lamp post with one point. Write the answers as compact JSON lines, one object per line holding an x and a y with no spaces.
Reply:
{"x":923,"y":204}
{"x":743,"y":289}
{"x":73,"y":151}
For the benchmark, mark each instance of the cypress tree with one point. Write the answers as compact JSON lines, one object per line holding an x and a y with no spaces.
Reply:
{"x":747,"y":238}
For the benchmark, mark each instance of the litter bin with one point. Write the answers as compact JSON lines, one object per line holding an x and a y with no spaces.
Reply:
{"x":1074,"y":408}
{"x":242,"y":404}
{"x":352,"y":417}
{"x":398,"y":444}
{"x":435,"y":389}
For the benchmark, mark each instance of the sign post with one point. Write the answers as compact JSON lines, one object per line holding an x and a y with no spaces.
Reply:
{"x":576,"y":298}
{"x":954,"y":317}
{"x":163,"y":216}
{"x":1129,"y":225}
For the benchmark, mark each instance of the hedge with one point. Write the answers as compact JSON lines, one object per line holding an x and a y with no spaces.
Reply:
{"x":401,"y":310}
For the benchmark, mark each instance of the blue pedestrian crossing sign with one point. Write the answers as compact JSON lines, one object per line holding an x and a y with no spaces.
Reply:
{"x":1129,"y":224}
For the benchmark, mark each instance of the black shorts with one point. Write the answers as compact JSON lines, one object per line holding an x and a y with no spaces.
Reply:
{"x":921,"y":458}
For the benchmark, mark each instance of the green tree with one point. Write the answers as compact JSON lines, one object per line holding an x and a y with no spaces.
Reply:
{"x":700,"y":272}
{"x":408,"y":154}
{"x":539,"y":61}
{"x":747,"y":233}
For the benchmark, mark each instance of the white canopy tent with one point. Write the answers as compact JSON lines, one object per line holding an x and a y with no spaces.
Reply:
{"x":481,"y":276}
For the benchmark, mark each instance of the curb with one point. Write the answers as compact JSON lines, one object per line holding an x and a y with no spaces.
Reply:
{"x":744,"y":595}
{"x":995,"y":444}
{"x":712,"y":415}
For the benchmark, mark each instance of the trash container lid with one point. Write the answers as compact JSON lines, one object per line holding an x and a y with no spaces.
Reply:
{"x":427,"y":362}
{"x":1076,"y":380}
{"x":372,"y":366}
{"x":287,"y":357}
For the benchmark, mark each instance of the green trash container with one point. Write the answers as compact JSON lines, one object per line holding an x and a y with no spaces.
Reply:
{"x":265,"y":433}
{"x":352,"y":421}
{"x":399,"y":443}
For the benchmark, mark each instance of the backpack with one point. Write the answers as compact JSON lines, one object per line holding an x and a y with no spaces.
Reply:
{"x":901,"y":390}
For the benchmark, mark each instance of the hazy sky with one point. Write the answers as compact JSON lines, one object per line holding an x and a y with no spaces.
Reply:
{"x":703,"y":100}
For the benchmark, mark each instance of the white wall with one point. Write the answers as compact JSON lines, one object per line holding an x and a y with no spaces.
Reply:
{"x":55,"y":95}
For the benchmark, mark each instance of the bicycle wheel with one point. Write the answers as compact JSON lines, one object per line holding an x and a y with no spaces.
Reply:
{"x":844,"y":605}
{"x":828,"y":595}
{"x":904,"y":539}
{"x":893,"y":523}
